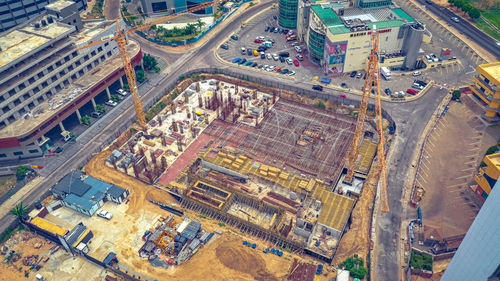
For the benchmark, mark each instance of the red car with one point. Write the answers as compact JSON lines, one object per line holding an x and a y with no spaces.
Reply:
{"x":257,"y":40}
{"x":411,"y":92}
{"x":296,"y":62}
{"x":343,"y":96}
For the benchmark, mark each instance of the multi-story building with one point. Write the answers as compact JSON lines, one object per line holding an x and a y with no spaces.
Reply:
{"x":165,"y":7}
{"x":478,"y":257}
{"x":287,"y":17}
{"x":486,"y":87}
{"x":14,"y":12}
{"x":45,"y":79}
{"x":339,"y":39}
{"x":488,"y":174}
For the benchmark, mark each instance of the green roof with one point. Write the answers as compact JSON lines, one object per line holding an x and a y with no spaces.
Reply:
{"x":339,"y":29}
{"x":387,"y":24}
{"x":327,"y":16}
{"x":400,"y":13}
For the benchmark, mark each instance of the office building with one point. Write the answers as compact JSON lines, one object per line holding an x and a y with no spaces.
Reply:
{"x":487,"y":176}
{"x":45,"y":79}
{"x":339,"y":38}
{"x":165,"y":7}
{"x":287,"y":17}
{"x":486,"y":87}
{"x":478,"y":257}
{"x":15,"y":12}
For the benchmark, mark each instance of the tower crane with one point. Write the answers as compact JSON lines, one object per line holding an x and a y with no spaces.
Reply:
{"x":372,"y":81}
{"x":121,"y":41}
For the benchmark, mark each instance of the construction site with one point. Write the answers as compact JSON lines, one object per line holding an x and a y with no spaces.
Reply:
{"x":272,"y":167}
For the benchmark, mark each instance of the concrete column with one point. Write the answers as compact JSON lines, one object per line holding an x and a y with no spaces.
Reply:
{"x":94,"y":104}
{"x":142,"y":64}
{"x":108,"y":93}
{"x":121,"y":82}
{"x":61,"y":126}
{"x":79,"y":116}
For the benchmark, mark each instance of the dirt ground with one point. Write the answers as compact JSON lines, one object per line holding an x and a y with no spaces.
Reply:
{"x":452,"y":155}
{"x":6,"y":183}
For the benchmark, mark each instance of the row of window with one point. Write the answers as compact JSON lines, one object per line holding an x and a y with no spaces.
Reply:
{"x":19,"y":153}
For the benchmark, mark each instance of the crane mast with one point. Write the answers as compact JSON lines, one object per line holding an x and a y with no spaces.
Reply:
{"x":372,"y":82}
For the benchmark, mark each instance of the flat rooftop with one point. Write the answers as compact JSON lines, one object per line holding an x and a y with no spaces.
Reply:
{"x":495,"y":159}
{"x":19,"y":42}
{"x":335,"y":209}
{"x":59,"y":5}
{"x":491,"y":69}
{"x":45,"y":110}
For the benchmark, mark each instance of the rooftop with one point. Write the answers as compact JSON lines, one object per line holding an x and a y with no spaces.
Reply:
{"x":335,"y":209}
{"x":44,"y":224}
{"x":47,"y":109}
{"x":59,"y":5}
{"x":492,"y":70}
{"x":494,"y":158}
{"x":327,"y":15}
{"x":19,"y":42}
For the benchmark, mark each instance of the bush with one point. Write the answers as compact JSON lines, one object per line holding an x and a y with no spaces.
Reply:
{"x":21,"y":172}
{"x":140,"y":75}
{"x":356,"y":267}
{"x":420,"y":261}
{"x":321,"y":105}
{"x":455,"y":95}
{"x":492,"y":150}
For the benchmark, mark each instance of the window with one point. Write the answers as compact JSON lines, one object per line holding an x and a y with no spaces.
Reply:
{"x":3,"y":155}
{"x":93,"y":53}
{"x":33,"y":151}
{"x":18,"y":153}
{"x":106,"y":44}
{"x":99,"y":49}
{"x":86,"y":57}
{"x":45,"y":84}
{"x":12,"y":92}
{"x":17,"y":102}
{"x":31,"y":80}
{"x":21,"y":86}
{"x":50,"y":68}
{"x":74,"y":54}
{"x":26,"y":96}
{"x":58,"y":64}
{"x":78,"y":63}
{"x":66,"y":58}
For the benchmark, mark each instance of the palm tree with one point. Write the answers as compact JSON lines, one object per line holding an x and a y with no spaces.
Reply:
{"x":200,"y":24}
{"x":190,"y":28}
{"x":19,"y":211}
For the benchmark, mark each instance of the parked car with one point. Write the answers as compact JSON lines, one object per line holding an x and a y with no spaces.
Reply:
{"x":317,"y":87}
{"x":353,"y":74}
{"x":243,"y":50}
{"x":224,"y":46}
{"x":296,"y":62}
{"x":96,"y":114}
{"x":267,"y":28}
{"x":248,"y":63}
{"x":299,"y":57}
{"x":417,"y":73}
{"x":291,"y":73}
{"x":290,"y":32}
{"x":291,"y":38}
{"x":236,"y":60}
{"x":344,"y":85}
{"x":360,"y":74}
{"x":277,"y":69}
{"x":146,"y":235}
{"x":298,"y":49}
{"x":242,"y":61}
{"x":105,"y":214}
{"x":289,"y":61}
{"x":275,"y":57}
{"x":255,"y":53}
{"x":262,"y":55}
{"x":282,"y":59}
{"x":257,"y":40}
{"x":111,"y":103}
{"x":121,"y":92}
{"x":234,"y":37}
{"x":254,"y":64}
{"x":284,"y":71}
{"x":417,"y":86}
{"x":284,"y":54}
{"x":319,"y":269}
{"x":411,"y":92}
{"x":388,"y":91}
{"x":276,"y":30}
{"x":343,"y":96}
{"x":249,"y":52}
{"x":269,"y":56}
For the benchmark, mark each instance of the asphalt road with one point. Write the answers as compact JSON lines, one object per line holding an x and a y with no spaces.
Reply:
{"x":476,"y":35}
{"x":410,"y":118}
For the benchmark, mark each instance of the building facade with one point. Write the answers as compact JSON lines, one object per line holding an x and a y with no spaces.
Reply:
{"x":287,"y":17}
{"x":15,"y":12}
{"x":166,"y":7}
{"x":487,"y":175}
{"x":478,"y":257}
{"x":339,"y":39}
{"x":486,"y":87}
{"x":372,"y":3}
{"x":44,"y":78}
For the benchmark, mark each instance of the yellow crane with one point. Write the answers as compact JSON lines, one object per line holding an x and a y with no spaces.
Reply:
{"x":121,"y":41}
{"x":372,"y":81}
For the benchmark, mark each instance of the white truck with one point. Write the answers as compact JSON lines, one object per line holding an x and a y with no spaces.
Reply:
{"x":386,"y":73}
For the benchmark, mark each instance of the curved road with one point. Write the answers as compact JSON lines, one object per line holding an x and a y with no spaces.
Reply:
{"x":408,"y":131}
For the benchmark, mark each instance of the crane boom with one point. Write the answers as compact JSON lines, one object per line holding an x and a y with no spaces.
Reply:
{"x":373,"y":80}
{"x":121,"y":41}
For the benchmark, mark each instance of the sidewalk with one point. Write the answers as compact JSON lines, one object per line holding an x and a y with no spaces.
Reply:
{"x":19,"y":196}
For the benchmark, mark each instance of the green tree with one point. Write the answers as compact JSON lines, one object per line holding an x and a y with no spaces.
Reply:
{"x":115,"y":98}
{"x":140,"y":75}
{"x":85,"y":120}
{"x":474,"y":13}
{"x":455,"y":95}
{"x":200,"y":24}
{"x":190,"y":29}
{"x":21,"y":171}
{"x":100,"y":108}
{"x":467,"y":8}
{"x":150,"y":63}
{"x":124,"y":8}
{"x":126,"y":87}
{"x":19,"y":211}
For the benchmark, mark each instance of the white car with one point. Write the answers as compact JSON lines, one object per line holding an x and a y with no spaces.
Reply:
{"x":291,"y":73}
{"x":290,"y":32}
{"x":417,"y":73}
{"x":269,"y":57}
{"x":111,"y":103}
{"x":289,"y":61}
{"x":298,"y":49}
{"x":270,"y":68}
{"x":105,"y":214}
{"x":121,"y":92}
{"x":261,"y":38}
{"x":265,"y":67}
{"x":275,"y":57}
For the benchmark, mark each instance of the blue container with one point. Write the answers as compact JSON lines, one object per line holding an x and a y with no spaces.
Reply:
{"x":245,"y":242}
{"x":273,"y":250}
{"x":254,"y":246}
